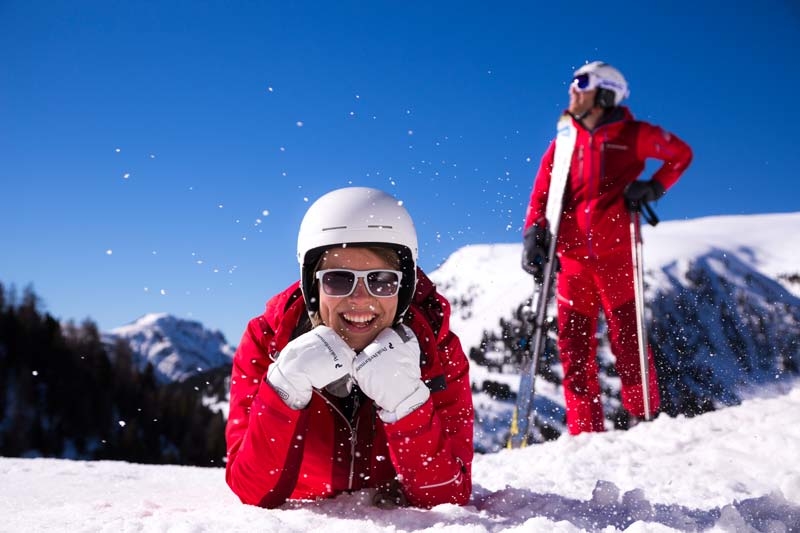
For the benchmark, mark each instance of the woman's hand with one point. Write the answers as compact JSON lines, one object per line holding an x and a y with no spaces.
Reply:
{"x":312,"y":360}
{"x":388,"y":371}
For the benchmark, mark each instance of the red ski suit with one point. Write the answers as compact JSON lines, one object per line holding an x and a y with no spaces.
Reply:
{"x":594,"y":250}
{"x":276,"y":453}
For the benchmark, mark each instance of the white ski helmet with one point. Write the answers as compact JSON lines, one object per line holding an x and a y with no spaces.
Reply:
{"x":357,"y":215}
{"x":611,"y":84}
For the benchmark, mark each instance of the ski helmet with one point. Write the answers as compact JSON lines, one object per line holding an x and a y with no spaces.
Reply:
{"x":609,"y":82}
{"x":357,"y":215}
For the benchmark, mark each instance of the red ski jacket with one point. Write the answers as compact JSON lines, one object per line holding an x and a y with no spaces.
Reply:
{"x":595,"y":220}
{"x":276,"y":453}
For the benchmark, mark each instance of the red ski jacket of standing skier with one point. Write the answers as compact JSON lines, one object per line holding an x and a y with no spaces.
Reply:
{"x":276,"y":453}
{"x":604,"y":162}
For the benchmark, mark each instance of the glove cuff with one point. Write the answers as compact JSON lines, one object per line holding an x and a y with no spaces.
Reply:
{"x":292,"y":396}
{"x":407,"y":406}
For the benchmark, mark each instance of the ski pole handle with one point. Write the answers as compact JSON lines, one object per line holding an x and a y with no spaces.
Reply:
{"x":648,"y":214}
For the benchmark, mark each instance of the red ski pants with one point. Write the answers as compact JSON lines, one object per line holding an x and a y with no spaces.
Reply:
{"x":584,"y":286}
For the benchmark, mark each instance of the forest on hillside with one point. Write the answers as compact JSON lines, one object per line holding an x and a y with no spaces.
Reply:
{"x":67,"y":394}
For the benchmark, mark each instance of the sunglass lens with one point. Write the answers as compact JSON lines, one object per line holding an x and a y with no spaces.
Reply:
{"x":581,"y":81}
{"x":338,"y":283}
{"x":383,"y":283}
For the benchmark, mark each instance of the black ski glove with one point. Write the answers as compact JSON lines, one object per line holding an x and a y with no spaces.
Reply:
{"x":642,"y":191}
{"x":535,"y":243}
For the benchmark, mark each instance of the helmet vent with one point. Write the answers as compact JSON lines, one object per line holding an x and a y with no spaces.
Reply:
{"x":380,"y":226}
{"x":334,"y":228}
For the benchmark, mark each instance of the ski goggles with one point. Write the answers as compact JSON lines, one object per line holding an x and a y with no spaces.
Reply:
{"x":341,"y":282}
{"x":585,"y":82}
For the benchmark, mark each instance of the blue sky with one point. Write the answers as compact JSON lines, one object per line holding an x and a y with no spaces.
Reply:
{"x":159,"y":156}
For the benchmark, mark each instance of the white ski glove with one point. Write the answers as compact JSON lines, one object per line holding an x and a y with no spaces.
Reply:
{"x":387,"y":370}
{"x":314,"y":359}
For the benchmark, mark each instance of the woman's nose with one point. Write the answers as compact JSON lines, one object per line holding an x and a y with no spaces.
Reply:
{"x":361,"y":289}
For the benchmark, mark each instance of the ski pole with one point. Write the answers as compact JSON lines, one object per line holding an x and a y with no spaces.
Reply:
{"x":638,"y":292}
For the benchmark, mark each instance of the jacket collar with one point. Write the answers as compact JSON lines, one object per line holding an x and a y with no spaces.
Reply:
{"x":611,"y":116}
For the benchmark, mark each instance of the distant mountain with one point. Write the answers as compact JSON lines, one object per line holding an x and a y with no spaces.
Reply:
{"x":723,"y":299}
{"x":176,"y":348}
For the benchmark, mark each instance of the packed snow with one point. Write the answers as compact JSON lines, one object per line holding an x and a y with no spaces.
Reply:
{"x":733,"y":470}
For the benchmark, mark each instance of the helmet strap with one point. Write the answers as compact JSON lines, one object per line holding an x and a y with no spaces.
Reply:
{"x":589,"y":113}
{"x":580,"y":116}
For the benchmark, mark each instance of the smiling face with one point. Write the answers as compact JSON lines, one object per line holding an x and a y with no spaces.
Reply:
{"x":359,"y":317}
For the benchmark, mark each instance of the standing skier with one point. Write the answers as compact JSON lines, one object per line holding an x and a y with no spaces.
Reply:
{"x":352,"y":379}
{"x":593,"y":241}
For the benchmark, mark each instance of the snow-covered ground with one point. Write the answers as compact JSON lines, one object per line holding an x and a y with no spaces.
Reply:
{"x":733,"y":470}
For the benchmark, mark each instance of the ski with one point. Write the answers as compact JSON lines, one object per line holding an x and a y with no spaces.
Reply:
{"x":523,"y":417}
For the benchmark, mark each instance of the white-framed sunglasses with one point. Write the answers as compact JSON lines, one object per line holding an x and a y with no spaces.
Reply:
{"x":341,"y":282}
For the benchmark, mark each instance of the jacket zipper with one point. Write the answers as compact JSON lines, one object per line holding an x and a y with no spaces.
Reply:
{"x":353,"y":435}
{"x":590,"y":189}
{"x":594,"y":182}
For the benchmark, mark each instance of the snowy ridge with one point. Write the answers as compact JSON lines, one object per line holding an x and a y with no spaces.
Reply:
{"x":177,"y":348}
{"x":769,"y":243}
{"x":485,"y":281}
{"x":482,"y":282}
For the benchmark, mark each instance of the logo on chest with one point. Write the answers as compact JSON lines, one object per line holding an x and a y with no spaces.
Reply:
{"x":615,"y":146}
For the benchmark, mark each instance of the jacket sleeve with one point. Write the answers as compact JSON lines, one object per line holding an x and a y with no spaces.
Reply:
{"x":431,"y":448}
{"x":657,"y":143}
{"x":535,"y":213}
{"x":264,"y":451}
